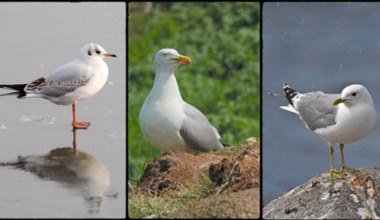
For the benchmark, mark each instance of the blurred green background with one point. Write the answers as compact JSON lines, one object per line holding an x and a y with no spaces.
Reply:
{"x":223,"y":41}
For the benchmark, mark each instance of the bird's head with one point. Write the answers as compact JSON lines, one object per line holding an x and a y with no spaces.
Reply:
{"x":169,"y":59}
{"x":354,"y":94}
{"x":94,"y":51}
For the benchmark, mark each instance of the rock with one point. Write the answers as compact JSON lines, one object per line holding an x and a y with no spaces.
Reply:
{"x":355,"y":196}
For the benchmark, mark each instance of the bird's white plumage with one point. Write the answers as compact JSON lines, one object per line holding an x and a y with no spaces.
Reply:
{"x":74,"y":81}
{"x":350,"y":120}
{"x":336,"y":118}
{"x":166,"y":120}
{"x":355,"y":117}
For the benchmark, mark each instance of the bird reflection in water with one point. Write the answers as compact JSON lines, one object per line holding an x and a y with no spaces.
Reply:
{"x":75,"y":169}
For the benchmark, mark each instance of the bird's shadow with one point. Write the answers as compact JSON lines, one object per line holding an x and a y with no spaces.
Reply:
{"x":74,"y":169}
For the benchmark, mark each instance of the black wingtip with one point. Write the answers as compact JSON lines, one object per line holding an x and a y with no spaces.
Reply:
{"x":289,"y":93}
{"x":19,"y":88}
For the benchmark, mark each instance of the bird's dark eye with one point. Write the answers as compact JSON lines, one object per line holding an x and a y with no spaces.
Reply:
{"x":89,"y":52}
{"x":354,"y":94}
{"x":97,"y":52}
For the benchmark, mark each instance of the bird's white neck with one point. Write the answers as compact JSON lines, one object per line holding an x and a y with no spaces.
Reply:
{"x":165,"y":87}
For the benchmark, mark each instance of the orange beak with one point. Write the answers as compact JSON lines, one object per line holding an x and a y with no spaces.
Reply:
{"x":110,"y":55}
{"x":183,"y":60}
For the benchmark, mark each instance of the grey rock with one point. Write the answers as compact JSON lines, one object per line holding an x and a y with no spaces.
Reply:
{"x":356,"y":196}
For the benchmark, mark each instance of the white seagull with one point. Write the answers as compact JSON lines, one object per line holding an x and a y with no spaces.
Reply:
{"x":74,"y":81}
{"x":336,"y":118}
{"x":167,"y":121}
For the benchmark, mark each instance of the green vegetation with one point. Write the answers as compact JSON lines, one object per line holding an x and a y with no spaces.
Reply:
{"x":222,"y":39}
{"x":141,"y":204}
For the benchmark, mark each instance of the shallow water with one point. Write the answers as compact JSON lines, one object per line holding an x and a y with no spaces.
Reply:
{"x":37,"y":38}
{"x":314,"y":46}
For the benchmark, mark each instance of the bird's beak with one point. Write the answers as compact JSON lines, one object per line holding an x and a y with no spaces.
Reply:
{"x":183,"y":59}
{"x":338,"y":101}
{"x":109,"y":55}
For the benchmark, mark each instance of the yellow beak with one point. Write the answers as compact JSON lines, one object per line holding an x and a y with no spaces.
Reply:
{"x":338,"y":101}
{"x":183,"y":60}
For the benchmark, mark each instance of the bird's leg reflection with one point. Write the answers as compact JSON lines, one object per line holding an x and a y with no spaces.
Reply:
{"x":75,"y":140}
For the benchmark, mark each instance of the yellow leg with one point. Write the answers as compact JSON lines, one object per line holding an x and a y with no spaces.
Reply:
{"x":334,"y":174}
{"x":343,"y":167}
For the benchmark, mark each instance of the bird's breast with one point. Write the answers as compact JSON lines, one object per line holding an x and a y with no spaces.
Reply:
{"x":351,"y":126}
{"x":160,"y":122}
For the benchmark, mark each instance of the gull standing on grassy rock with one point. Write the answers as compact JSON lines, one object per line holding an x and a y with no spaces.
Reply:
{"x":336,"y":118}
{"x":74,"y":81}
{"x":167,"y":121}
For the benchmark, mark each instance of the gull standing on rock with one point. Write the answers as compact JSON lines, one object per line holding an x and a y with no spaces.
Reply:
{"x":74,"y":81}
{"x":167,"y":121}
{"x":336,"y":118}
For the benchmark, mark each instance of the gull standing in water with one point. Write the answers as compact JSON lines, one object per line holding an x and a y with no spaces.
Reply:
{"x":336,"y":118}
{"x":167,"y":121}
{"x":74,"y":81}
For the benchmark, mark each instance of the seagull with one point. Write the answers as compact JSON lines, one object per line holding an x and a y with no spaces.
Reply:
{"x":168,"y":122}
{"x":336,"y":118}
{"x":71,"y":82}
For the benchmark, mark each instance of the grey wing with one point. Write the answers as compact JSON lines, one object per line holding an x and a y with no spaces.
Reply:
{"x":64,"y":80}
{"x":197,"y":132}
{"x":316,"y":109}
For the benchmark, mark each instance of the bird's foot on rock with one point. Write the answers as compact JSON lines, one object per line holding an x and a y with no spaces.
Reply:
{"x":336,"y":175}
{"x":344,"y":169}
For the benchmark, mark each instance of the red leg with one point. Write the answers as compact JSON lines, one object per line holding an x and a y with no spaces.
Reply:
{"x":78,"y":124}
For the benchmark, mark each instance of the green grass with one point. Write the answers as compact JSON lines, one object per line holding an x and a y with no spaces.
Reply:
{"x":222,"y":39}
{"x":141,"y":205}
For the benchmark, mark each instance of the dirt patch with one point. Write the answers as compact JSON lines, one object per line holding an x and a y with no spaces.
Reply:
{"x":233,"y":192}
{"x":239,"y":171}
{"x":173,"y":168}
